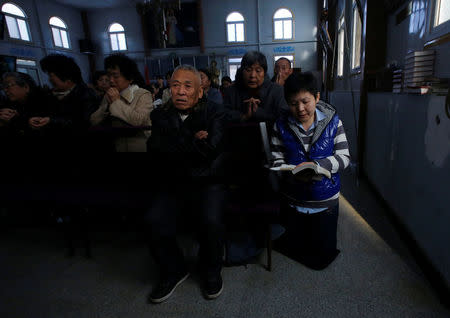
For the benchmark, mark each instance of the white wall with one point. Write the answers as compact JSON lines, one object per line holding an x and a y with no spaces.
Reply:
{"x":408,"y":161}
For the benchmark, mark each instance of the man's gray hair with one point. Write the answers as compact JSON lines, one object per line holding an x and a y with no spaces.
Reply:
{"x":188,"y":68}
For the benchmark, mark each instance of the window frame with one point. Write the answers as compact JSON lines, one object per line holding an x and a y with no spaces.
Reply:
{"x":355,"y":69}
{"x":110,"y":33}
{"x":436,"y":4}
{"x":292,"y":19}
{"x":340,"y":61}
{"x":436,"y":32}
{"x":235,"y":33}
{"x":16,"y":18}
{"x":59,"y":29}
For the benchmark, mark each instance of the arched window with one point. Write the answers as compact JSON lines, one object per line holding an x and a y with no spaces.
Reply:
{"x":283,"y":24}
{"x":16,"y":20}
{"x":59,"y":32}
{"x":235,"y":27}
{"x":117,"y":37}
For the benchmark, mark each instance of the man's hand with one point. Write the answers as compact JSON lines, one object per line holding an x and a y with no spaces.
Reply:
{"x":6,"y":114}
{"x":112,"y":94}
{"x":38,"y":122}
{"x":281,"y":78}
{"x":200,"y":135}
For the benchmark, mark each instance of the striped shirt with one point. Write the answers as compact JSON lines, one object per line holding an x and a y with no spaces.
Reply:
{"x":334,"y":163}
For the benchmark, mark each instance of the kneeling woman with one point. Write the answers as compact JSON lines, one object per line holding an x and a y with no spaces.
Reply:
{"x":310,"y":132}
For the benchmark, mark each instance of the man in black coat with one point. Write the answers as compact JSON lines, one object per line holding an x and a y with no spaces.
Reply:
{"x":185,"y":146}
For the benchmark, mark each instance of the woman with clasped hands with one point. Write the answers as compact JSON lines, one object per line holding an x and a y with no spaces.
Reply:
{"x":125,"y":105}
{"x":254,"y":97}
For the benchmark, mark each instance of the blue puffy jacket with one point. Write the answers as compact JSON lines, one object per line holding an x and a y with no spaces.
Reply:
{"x":322,"y":146}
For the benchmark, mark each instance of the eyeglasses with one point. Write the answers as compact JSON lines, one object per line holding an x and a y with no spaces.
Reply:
{"x":8,"y":85}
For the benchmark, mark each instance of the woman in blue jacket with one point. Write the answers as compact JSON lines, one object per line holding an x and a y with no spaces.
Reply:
{"x":310,"y":132}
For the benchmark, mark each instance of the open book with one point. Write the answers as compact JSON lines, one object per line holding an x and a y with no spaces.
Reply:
{"x":305,"y":168}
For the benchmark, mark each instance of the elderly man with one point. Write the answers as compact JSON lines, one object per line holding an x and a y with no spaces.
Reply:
{"x":282,"y":70}
{"x":186,"y":144}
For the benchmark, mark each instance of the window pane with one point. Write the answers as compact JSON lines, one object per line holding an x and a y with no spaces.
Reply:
{"x":122,"y":42}
{"x":444,"y":11}
{"x":13,"y":9}
{"x":287,"y":29}
{"x":23,"y":30}
{"x":278,"y":28}
{"x":356,"y":40}
{"x":116,"y":27}
{"x":65,"y":39}
{"x":282,"y":13}
{"x":233,"y":70}
{"x":231,"y":32}
{"x":25,"y":62}
{"x":12,"y":27}
{"x":113,"y":38}
{"x":235,"y":17}
{"x":57,"y":37}
{"x":33,"y":73}
{"x":240,"y":32}
{"x":340,"y":66}
{"x":235,"y":60}
{"x":57,"y":22}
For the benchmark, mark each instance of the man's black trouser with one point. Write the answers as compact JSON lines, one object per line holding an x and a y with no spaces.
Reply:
{"x":199,"y":206}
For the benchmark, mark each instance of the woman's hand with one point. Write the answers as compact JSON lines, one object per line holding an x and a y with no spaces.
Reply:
{"x":6,"y":114}
{"x":281,"y":78}
{"x":38,"y":122}
{"x":112,"y":94}
{"x":202,"y":134}
{"x":253,"y":104}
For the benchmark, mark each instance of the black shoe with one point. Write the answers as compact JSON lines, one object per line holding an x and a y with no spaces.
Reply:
{"x":166,"y":287}
{"x":213,"y":286}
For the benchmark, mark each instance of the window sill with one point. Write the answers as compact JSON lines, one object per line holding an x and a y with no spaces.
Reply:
{"x":236,"y":43}
{"x":62,"y":49}
{"x":437,"y":41}
{"x":282,"y":40}
{"x":18,"y":41}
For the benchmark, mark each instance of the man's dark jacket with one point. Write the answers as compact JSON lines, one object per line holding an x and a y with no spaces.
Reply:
{"x":174,"y":150}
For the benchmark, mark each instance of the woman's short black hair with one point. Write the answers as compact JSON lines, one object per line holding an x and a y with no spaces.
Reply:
{"x":128,"y":68}
{"x":21,"y":79}
{"x":99,"y":74}
{"x":226,"y":79}
{"x":206,"y":71}
{"x":253,"y":57}
{"x":62,"y":66}
{"x":297,"y":82}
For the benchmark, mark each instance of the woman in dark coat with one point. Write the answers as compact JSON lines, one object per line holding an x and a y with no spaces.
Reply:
{"x":254,"y":97}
